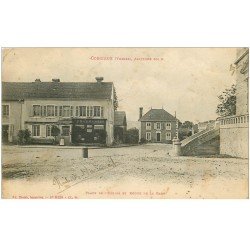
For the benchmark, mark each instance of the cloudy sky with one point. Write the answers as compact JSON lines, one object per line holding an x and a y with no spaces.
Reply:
{"x":185,"y":80}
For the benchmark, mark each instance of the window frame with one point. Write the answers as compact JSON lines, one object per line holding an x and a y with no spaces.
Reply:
{"x":148,"y":133}
{"x":36,"y":130}
{"x":168,"y":135}
{"x":148,"y":127}
{"x":33,"y":113}
{"x":47,"y":108}
{"x":94,"y":111}
{"x":168,"y":127}
{"x":158,"y":123}
{"x":48,"y":126}
{"x":63,"y":111}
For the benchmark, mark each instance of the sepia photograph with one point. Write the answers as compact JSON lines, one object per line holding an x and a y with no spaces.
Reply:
{"x":125,"y":123}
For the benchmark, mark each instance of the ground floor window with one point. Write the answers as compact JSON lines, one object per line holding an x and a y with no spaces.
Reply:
{"x":48,"y":130}
{"x":168,"y":136}
{"x":35,"y":130}
{"x":65,"y":130}
{"x":148,"y":136}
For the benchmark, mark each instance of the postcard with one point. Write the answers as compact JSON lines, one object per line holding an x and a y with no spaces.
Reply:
{"x":125,"y":123}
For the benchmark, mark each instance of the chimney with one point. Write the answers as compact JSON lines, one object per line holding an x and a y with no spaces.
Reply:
{"x":55,"y":80}
{"x":140,"y":112}
{"x":37,"y":80}
{"x":99,"y":79}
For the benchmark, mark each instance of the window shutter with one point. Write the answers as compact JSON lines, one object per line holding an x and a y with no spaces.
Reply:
{"x":155,"y":125}
{"x":102,"y":111}
{"x":56,"y":110}
{"x":60,"y":110}
{"x":71,"y":111}
{"x":32,"y":111}
{"x":45,"y":110}
{"x":77,"y":110}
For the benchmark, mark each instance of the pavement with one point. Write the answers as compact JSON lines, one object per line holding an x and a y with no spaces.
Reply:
{"x":143,"y":171}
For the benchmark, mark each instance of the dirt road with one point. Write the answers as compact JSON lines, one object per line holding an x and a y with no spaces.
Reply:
{"x":145,"y":171}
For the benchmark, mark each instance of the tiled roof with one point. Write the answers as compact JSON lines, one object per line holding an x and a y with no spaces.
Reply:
{"x":66,"y":90}
{"x":157,"y":115}
{"x":120,"y":118}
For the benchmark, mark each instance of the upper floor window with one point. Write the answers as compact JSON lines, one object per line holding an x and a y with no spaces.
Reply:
{"x":89,"y":111}
{"x":66,"y":111}
{"x":158,"y":125}
{"x":5,"y":110}
{"x":82,"y":111}
{"x":65,"y":130}
{"x":148,"y":125}
{"x":97,"y":111}
{"x":168,"y":126}
{"x":50,"y":110}
{"x":36,"y":110}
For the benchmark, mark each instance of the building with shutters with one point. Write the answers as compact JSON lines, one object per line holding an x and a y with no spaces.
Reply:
{"x":83,"y":111}
{"x":157,"y":125}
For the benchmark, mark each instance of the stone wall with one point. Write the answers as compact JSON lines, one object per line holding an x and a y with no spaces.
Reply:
{"x":234,"y":141}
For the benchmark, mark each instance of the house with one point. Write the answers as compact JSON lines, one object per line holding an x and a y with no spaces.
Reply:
{"x":120,"y":125}
{"x":83,"y":111}
{"x":157,"y":125}
{"x":234,"y":129}
{"x":206,"y":125}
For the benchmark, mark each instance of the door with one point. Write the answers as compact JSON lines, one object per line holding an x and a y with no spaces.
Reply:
{"x":5,"y":133}
{"x":158,"y":137}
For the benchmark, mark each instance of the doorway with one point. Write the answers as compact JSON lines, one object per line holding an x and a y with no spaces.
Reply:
{"x":158,"y":137}
{"x":5,"y":133}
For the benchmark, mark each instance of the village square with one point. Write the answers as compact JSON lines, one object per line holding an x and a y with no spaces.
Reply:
{"x":71,"y":140}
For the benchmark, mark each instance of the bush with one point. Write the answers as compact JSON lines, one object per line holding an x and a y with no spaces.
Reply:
{"x":44,"y":141}
{"x":24,"y":136}
{"x":143,"y":141}
{"x":132,"y":136}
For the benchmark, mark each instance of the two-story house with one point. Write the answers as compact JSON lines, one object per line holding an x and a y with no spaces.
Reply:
{"x":157,"y":125}
{"x":84,"y":112}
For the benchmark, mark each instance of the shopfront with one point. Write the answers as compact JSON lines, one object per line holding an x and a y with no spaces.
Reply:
{"x":89,"y":131}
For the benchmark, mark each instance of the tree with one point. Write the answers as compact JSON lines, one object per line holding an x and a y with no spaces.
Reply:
{"x":132,"y":136}
{"x":115,"y":100}
{"x":24,"y":136}
{"x":227,"y":105}
{"x":187,"y":124}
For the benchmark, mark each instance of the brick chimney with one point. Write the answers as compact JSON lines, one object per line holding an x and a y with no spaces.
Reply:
{"x":99,"y":79}
{"x":55,"y":80}
{"x":140,"y":112}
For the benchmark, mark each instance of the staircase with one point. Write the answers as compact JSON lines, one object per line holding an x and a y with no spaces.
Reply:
{"x":206,"y":142}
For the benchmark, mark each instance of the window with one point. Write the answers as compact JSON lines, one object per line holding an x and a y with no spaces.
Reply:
{"x":158,"y":125}
{"x":50,"y":110}
{"x":89,"y":111}
{"x":56,"y":111}
{"x":148,"y":136}
{"x":168,"y":126}
{"x":36,"y":110}
{"x":35,"y":130}
{"x":48,"y":130}
{"x":82,"y":111}
{"x":5,"y":110}
{"x":60,"y":110}
{"x":71,"y":111}
{"x":97,"y":111}
{"x":65,"y":130}
{"x":148,"y":125}
{"x":66,"y":111}
{"x":168,"y":136}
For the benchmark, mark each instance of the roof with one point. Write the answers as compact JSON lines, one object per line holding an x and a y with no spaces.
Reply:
{"x":50,"y":90}
{"x":157,"y":115}
{"x":120,"y":118}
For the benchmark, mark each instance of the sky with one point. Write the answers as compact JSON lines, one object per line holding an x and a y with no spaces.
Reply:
{"x":182,"y":80}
